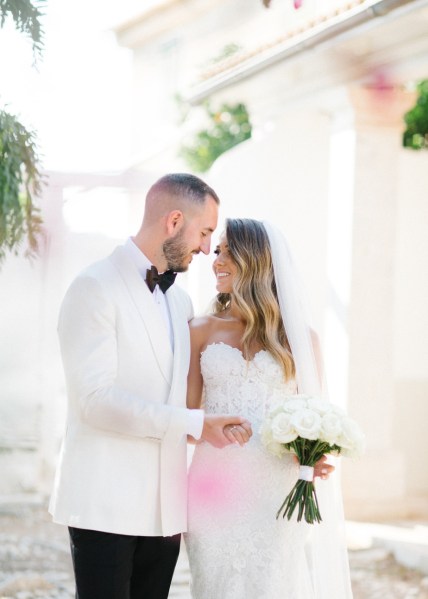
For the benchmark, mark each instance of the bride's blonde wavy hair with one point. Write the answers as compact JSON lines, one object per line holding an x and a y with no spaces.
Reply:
{"x":254,"y":291}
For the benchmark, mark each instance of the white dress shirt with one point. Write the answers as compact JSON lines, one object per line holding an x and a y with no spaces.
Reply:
{"x":195,"y":417}
{"x":143,"y":264}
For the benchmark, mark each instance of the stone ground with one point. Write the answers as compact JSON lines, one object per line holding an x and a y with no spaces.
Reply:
{"x":35,"y":563}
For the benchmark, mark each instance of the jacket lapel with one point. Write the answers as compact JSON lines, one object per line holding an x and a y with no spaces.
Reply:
{"x":148,"y":311}
{"x":180,"y":326}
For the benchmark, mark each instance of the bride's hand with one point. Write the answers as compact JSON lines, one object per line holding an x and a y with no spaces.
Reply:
{"x":217,"y":430}
{"x":238,"y":433}
{"x":321,"y":468}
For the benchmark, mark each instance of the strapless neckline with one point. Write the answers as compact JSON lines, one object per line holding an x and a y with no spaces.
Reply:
{"x":236,"y":349}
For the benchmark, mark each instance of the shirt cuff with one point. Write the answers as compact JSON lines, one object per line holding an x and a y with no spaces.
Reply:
{"x":195,"y":423}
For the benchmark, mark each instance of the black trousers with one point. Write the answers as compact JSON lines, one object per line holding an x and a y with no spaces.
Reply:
{"x":112,"y":566}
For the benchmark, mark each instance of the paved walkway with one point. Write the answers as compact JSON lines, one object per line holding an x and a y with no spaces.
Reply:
{"x":35,"y":563}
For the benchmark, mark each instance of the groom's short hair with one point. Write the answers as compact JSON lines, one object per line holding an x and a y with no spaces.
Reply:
{"x":183,"y":186}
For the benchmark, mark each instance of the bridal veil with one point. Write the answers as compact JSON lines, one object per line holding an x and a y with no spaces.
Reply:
{"x":327,"y":553}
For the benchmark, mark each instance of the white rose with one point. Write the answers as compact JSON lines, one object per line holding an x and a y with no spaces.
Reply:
{"x":307,"y":423}
{"x":319,"y":405}
{"x":294,"y":404}
{"x":276,"y":448}
{"x":266,"y":437}
{"x":338,"y":410}
{"x":352,"y":439}
{"x":276,"y":409}
{"x":331,"y":428}
{"x":355,"y":451}
{"x":282,"y":430}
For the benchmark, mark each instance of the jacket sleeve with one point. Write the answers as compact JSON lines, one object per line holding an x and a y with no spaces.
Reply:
{"x":87,"y":334}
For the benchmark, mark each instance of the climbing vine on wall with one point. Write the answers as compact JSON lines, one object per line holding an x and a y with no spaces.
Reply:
{"x":26,"y":16}
{"x":20,"y":178}
{"x":296,"y":3}
{"x":228,"y":126}
{"x":20,"y":184}
{"x":416,"y":134}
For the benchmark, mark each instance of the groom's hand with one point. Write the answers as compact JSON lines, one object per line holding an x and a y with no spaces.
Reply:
{"x":224,"y":430}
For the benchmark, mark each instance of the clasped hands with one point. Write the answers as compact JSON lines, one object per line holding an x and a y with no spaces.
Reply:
{"x":223,"y":430}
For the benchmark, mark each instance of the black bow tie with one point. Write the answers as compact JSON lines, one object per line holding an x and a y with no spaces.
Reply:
{"x":165,"y":280}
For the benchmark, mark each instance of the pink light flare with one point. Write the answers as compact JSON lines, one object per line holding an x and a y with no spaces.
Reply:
{"x":215,"y":488}
{"x":381,"y":84}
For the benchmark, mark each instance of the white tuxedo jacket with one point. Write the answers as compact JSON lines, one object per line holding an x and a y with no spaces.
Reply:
{"x":123,"y":460}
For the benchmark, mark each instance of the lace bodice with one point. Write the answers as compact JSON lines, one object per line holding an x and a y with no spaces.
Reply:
{"x":234,"y":385}
{"x":237,"y":549}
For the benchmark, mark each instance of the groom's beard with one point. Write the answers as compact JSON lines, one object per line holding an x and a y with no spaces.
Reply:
{"x":176,"y":251}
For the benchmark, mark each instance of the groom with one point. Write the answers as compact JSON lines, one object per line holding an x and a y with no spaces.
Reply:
{"x":123,"y":328}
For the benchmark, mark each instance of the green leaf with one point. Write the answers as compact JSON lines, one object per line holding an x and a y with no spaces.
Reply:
{"x":26,"y":15}
{"x":228,"y":126}
{"x":20,"y":185}
{"x":416,"y":119}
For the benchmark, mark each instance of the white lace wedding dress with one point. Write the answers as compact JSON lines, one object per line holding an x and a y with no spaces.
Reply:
{"x":237,"y":549}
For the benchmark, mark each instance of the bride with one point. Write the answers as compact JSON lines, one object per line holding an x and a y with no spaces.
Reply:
{"x":255,"y":349}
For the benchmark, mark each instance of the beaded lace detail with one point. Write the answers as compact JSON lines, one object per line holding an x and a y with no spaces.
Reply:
{"x":237,"y":549}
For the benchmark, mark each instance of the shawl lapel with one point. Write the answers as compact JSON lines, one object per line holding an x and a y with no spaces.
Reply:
{"x":148,"y":311}
{"x":181,"y":348}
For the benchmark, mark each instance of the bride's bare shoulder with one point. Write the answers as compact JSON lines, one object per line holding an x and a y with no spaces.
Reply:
{"x":203,"y":323}
{"x":201,"y":330}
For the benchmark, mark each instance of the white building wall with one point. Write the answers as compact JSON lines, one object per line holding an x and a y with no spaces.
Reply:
{"x":411,"y":322}
{"x":282,"y":178}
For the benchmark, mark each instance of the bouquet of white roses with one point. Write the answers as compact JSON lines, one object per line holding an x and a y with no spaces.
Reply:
{"x":309,"y":427}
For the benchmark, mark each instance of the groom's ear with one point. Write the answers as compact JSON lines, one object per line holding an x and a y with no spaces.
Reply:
{"x":174,"y":222}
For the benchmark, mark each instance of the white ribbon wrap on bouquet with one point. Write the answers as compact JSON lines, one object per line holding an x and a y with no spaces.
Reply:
{"x":306,"y":473}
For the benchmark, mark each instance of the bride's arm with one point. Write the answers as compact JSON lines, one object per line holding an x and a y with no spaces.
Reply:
{"x":194,"y":378}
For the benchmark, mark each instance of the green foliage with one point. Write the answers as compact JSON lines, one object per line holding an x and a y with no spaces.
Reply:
{"x":20,"y":178}
{"x":416,"y":134}
{"x":228,"y":126}
{"x":20,"y":183}
{"x":26,"y":17}
{"x":226,"y":52}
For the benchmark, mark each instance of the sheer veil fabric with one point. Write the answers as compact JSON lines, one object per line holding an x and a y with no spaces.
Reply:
{"x":327,"y":553}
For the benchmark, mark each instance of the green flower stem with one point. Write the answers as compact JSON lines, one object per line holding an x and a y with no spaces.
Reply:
{"x":304,"y":496}
{"x":303,"y":493}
